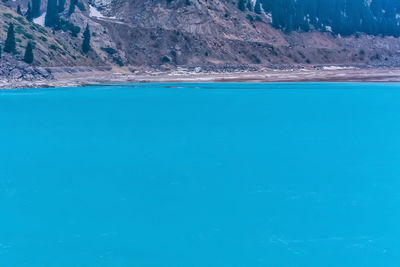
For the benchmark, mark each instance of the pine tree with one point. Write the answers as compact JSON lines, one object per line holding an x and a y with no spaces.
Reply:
{"x":257,"y":7}
{"x":19,"y":10}
{"x":86,"y":40}
{"x":249,"y":6}
{"x":337,"y":23}
{"x":71,"y":8}
{"x":52,"y":19}
{"x":300,"y":20}
{"x":36,"y":8}
{"x":61,"y":6}
{"x":10,"y":45}
{"x":241,"y":5}
{"x":28,"y":57}
{"x":267,"y":5}
{"x":28,"y":14}
{"x":345,"y":17}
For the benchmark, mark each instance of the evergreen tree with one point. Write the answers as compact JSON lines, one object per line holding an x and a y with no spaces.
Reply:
{"x":337,"y":20}
{"x":301,"y":19}
{"x":28,"y":14}
{"x":345,"y":17}
{"x":283,"y":14}
{"x":36,"y":8}
{"x":249,"y":5}
{"x":52,"y":19}
{"x":312,"y":9}
{"x":61,"y":6}
{"x":28,"y":57}
{"x":86,"y":40}
{"x":72,"y":5}
{"x":268,"y":4}
{"x":241,"y":5}
{"x":10,"y":45}
{"x":19,"y":10}
{"x":367,"y":22}
{"x":376,"y":8}
{"x":257,"y":7}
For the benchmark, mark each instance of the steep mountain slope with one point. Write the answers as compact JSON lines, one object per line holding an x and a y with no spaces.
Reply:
{"x":51,"y":48}
{"x":205,"y":33}
{"x":201,"y":32}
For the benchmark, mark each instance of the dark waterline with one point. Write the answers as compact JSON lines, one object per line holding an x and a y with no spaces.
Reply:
{"x":201,"y":175}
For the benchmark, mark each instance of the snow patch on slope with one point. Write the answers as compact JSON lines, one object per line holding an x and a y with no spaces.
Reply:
{"x":94,"y":13}
{"x":40,"y":20}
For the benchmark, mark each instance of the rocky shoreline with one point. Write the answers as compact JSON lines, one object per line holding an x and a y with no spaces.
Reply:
{"x":23,"y":76}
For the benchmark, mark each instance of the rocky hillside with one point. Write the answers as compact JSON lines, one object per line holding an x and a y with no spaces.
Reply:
{"x":52,"y":48}
{"x":190,"y":33}
{"x":202,"y":32}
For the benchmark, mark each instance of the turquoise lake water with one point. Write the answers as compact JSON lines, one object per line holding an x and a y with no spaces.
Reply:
{"x":277,"y":175}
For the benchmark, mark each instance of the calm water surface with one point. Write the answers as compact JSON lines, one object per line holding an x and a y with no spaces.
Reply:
{"x":277,"y":175}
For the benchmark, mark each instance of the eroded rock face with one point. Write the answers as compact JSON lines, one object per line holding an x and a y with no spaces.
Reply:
{"x":204,"y":33}
{"x":171,"y":33}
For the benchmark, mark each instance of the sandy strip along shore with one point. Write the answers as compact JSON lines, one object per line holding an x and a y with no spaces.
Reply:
{"x":326,"y":74}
